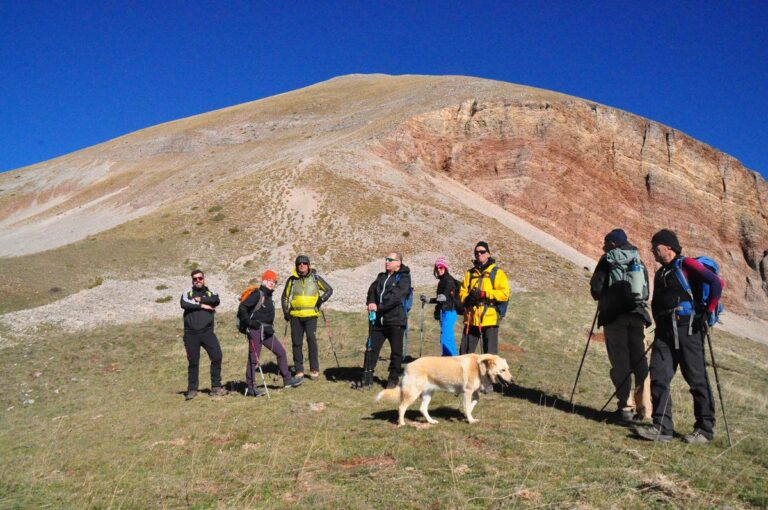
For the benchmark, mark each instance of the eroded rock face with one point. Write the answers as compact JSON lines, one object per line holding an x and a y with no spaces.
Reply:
{"x":577,"y":170}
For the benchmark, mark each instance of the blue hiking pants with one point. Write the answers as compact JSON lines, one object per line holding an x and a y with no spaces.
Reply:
{"x":447,"y":341}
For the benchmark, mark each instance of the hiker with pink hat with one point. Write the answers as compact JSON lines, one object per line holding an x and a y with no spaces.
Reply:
{"x":448,"y":305}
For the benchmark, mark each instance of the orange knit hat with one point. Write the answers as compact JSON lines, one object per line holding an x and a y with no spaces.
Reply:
{"x":269,"y":275}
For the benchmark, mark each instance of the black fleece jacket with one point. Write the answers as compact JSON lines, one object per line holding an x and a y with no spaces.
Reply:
{"x":389,"y":291}
{"x":263,"y":316}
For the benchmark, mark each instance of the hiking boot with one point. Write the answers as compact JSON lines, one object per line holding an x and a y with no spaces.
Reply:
{"x":624,"y":415}
{"x":190,"y":394}
{"x":218,"y":391}
{"x":314,"y":375}
{"x":697,"y":437}
{"x":253,"y":392}
{"x":392,"y":383}
{"x":293,"y":382}
{"x":652,"y":433}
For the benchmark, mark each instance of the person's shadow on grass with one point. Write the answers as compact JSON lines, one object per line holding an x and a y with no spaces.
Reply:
{"x":541,"y":398}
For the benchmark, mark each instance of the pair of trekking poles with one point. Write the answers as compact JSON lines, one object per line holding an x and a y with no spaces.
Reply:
{"x":285,"y":336}
{"x":714,"y":368}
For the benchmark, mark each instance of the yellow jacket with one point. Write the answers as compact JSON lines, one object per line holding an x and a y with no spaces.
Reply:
{"x":301,"y":296}
{"x":484,"y":314}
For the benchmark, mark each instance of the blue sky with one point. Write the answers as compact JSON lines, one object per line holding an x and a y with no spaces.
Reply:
{"x":77,"y":73}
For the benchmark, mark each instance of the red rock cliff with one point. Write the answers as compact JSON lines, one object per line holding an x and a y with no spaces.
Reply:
{"x":578,"y":169}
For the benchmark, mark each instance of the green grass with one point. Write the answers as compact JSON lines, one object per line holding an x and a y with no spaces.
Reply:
{"x":109,"y":428}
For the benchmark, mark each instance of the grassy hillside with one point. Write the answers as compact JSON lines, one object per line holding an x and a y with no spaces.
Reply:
{"x":99,"y":420}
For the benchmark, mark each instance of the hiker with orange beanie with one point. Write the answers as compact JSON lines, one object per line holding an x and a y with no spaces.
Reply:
{"x":258,"y":312}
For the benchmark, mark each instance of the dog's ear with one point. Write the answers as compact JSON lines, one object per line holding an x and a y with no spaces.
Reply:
{"x":486,"y":362}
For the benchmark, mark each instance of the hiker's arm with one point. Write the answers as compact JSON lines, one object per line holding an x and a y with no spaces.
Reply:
{"x":694,"y":267}
{"x":284,"y":300}
{"x":371,"y":297}
{"x":597,"y":282}
{"x":212,"y":300}
{"x":500,"y":290}
{"x":397,"y":293}
{"x":188,"y":303}
{"x":326,"y":288}
{"x":464,"y":290}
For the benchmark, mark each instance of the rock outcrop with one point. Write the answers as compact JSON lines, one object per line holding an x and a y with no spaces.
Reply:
{"x":578,"y":169}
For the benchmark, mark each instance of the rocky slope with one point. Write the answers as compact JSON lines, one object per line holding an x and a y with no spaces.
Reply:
{"x":369,"y":162}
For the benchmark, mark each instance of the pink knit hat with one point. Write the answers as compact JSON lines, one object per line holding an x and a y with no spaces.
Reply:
{"x":440,"y":262}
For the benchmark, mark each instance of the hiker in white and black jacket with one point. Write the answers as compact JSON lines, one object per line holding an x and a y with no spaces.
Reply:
{"x":624,"y":317}
{"x":199,"y":305}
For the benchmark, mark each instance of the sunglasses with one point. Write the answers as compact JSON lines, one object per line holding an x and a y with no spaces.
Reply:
{"x":303,"y":264}
{"x":390,"y":259}
{"x":480,"y":252}
{"x":198,"y":278}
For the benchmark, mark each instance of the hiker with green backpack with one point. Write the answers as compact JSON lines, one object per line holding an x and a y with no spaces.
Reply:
{"x":620,"y":286}
{"x":685,"y":305}
{"x":485,"y":294}
{"x":303,"y":295}
{"x":255,"y":318}
{"x":447,"y":305}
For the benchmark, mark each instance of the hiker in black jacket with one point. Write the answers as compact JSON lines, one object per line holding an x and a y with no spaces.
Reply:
{"x":446,"y":302}
{"x":199,"y":305}
{"x":386,"y":297}
{"x":258,"y":312}
{"x":681,"y":327}
{"x":624,"y":317}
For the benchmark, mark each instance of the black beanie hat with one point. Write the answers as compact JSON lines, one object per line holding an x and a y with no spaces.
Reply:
{"x":484,"y":245}
{"x":617,"y":236}
{"x":302,"y":259}
{"x":667,"y":238}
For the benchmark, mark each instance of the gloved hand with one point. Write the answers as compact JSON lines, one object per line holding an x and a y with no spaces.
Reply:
{"x":423,"y":299}
{"x":287,"y":316}
{"x":473,"y":298}
{"x":482,"y":294}
{"x":268,"y":330}
{"x":441,"y":298}
{"x":711,"y":319}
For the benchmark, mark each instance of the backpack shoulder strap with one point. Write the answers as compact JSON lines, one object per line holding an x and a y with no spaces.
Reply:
{"x":493,"y":275}
{"x":680,"y":274}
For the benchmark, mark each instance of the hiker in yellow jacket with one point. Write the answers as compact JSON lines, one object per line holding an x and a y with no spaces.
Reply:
{"x":304,"y":293}
{"x":485,"y":293}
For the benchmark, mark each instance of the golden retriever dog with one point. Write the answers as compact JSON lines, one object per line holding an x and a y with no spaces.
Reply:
{"x":461,"y":375}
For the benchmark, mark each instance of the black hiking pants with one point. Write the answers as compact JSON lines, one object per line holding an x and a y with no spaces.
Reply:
{"x":193,"y":341}
{"x":299,"y":326}
{"x":665,"y":359}
{"x":490,"y":336}
{"x":395,"y":336}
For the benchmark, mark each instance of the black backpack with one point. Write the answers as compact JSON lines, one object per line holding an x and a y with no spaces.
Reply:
{"x":457,"y":304}
{"x":244,"y":323}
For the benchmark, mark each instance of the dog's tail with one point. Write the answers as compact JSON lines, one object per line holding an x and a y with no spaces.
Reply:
{"x":392,"y":395}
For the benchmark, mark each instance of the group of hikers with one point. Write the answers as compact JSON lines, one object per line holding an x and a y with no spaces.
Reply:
{"x":619,"y":284}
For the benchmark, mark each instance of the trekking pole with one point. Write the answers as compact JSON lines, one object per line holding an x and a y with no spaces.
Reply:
{"x":367,"y":362}
{"x":719,"y":391}
{"x":421,"y":327}
{"x":591,"y":331}
{"x":632,"y":371}
{"x":328,"y":328}
{"x":258,"y":361}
